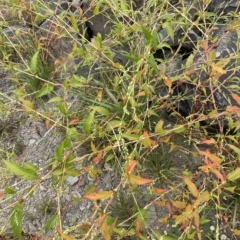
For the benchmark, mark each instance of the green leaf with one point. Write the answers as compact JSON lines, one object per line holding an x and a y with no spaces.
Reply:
{"x":124,"y":6}
{"x":131,"y":136}
{"x":235,"y":149}
{"x":178,"y":129}
{"x":133,"y":58}
{"x":55,"y":99}
{"x":101,"y":110}
{"x":87,"y":122}
{"x":159,"y":127}
{"x":154,"y":41}
{"x":9,"y":190}
{"x":27,"y":174}
{"x":59,"y":151}
{"x":57,"y":172}
{"x":115,"y":124}
{"x":169,"y":238}
{"x":46,"y":88}
{"x":73,"y":133}
{"x":62,"y":108}
{"x":72,"y":172}
{"x":16,"y":220}
{"x":153,"y":64}
{"x":73,"y":22}
{"x":146,"y":33}
{"x":30,"y":166}
{"x":34,"y":63}
{"x":169,"y":29}
{"x":189,"y":60}
{"x":51,"y":222}
{"x":234,"y":175}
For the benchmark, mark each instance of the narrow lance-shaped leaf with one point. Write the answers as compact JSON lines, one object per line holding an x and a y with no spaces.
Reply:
{"x":99,"y":196}
{"x":87,"y":122}
{"x":27,"y":174}
{"x":153,"y":64}
{"x":234,"y":175}
{"x":46,"y":88}
{"x":146,"y":33}
{"x":146,"y":140}
{"x":104,"y":227}
{"x":16,"y":220}
{"x":131,"y":165}
{"x":51,"y":222}
{"x":101,"y":110}
{"x":34,"y":63}
{"x":136,"y":180}
{"x":191,"y":186}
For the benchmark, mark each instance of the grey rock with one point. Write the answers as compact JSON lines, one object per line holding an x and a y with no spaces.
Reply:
{"x":72,"y":180}
{"x":225,"y":42}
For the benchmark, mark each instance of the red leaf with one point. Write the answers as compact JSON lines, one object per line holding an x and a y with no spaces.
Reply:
{"x":98,"y":158}
{"x":210,"y":141}
{"x":74,"y":121}
{"x":218,"y":174}
{"x":131,"y":165}
{"x":215,"y":159}
{"x":159,"y":191}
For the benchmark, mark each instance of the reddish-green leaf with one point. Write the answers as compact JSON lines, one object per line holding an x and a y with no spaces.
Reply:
{"x":215,"y":159}
{"x":98,"y":196}
{"x":131,"y":165}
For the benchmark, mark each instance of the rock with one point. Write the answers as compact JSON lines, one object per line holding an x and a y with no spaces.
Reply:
{"x":72,"y":180}
{"x":219,"y":79}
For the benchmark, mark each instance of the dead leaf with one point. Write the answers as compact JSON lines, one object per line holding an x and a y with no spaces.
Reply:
{"x":191,"y":186}
{"x":212,"y":157}
{"x":131,"y":165}
{"x":104,"y":227}
{"x":218,"y":69}
{"x":161,"y":203}
{"x":159,"y":191}
{"x":133,"y":179}
{"x":74,"y":121}
{"x":63,"y":235}
{"x":210,"y":141}
{"x":146,"y":139}
{"x":179,"y":204}
{"x":236,"y":97}
{"x":99,"y":196}
{"x":98,"y":158}
{"x":203,"y":197}
{"x":218,"y":174}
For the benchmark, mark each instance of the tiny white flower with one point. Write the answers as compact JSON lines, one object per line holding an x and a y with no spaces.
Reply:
{"x":212,"y":228}
{"x":223,"y":237}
